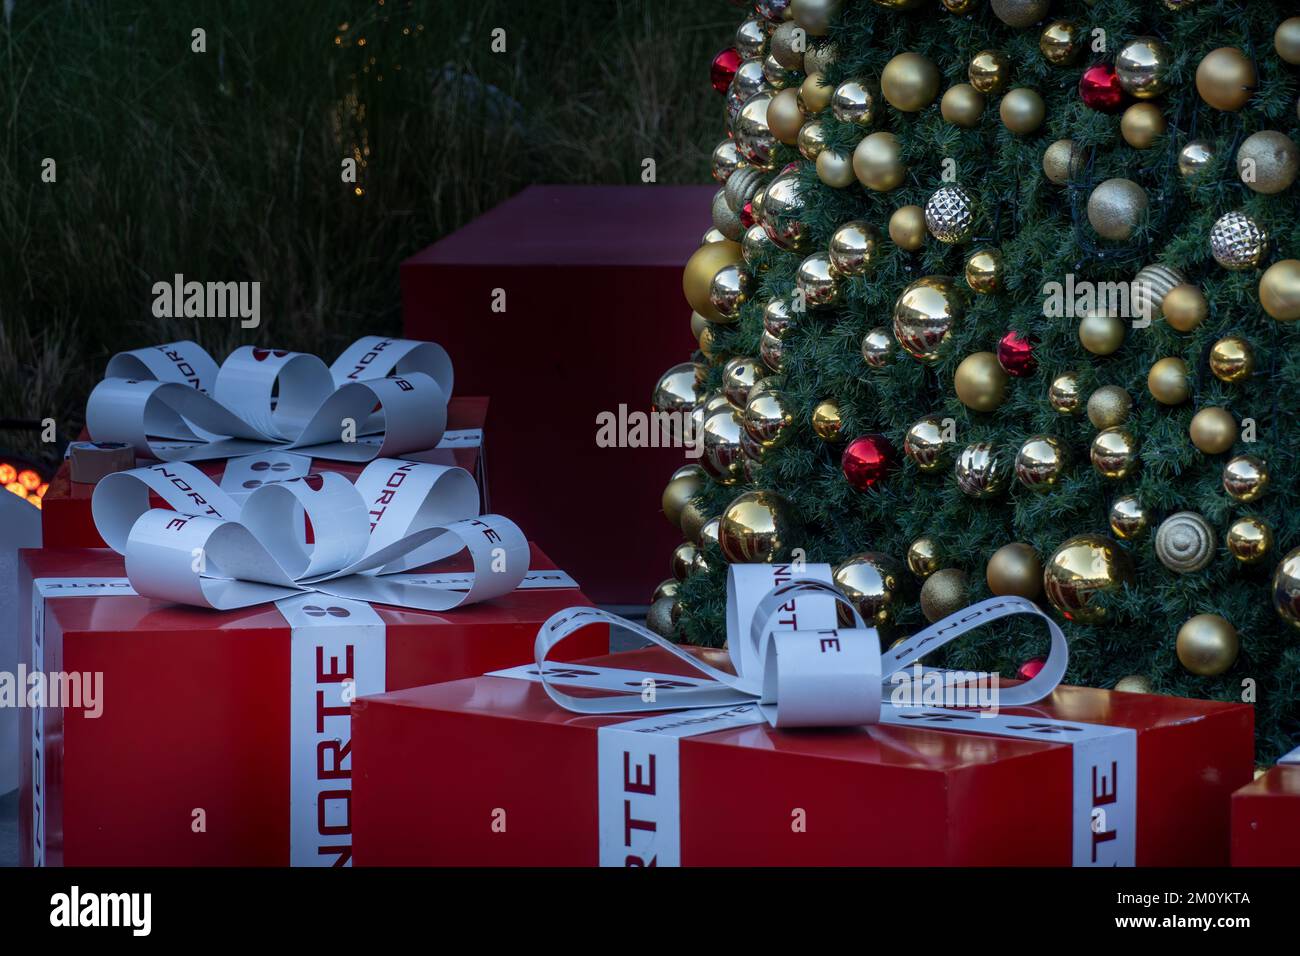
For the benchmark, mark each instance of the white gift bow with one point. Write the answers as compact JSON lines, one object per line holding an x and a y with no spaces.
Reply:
{"x":173,"y":403}
{"x":212,"y":551}
{"x":793,"y":660}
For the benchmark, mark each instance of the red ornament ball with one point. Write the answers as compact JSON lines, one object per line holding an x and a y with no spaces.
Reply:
{"x":723,"y":68}
{"x":1099,"y":87}
{"x":747,"y":214}
{"x":1030,"y":668}
{"x":867,"y":460}
{"x":1016,"y":354}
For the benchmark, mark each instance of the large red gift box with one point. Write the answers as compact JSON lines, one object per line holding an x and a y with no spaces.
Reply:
{"x":223,"y":738}
{"x":66,"y":520}
{"x":1266,"y":817}
{"x":489,"y":771}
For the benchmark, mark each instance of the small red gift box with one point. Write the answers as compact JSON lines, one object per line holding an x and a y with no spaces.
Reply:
{"x":1266,"y":817}
{"x":66,"y":520}
{"x":191,"y":736}
{"x":534,"y":785}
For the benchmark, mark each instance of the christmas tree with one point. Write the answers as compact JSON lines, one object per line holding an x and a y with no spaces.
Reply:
{"x":1000,"y":299}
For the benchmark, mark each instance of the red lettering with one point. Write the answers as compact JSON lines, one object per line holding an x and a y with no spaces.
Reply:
{"x":639,"y":785}
{"x":322,"y":711}
{"x":321,"y":799}
{"x":630,"y":823}
{"x":829,"y":643}
{"x":333,"y":675}
{"x":341,"y":752}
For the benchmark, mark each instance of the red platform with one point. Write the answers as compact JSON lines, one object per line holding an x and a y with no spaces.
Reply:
{"x":1266,"y":819}
{"x":594,"y":315}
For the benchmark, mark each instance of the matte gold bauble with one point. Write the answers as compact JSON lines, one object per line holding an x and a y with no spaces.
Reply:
{"x":702,"y":266}
{"x":981,"y":471}
{"x":756,"y":527}
{"x":684,"y":485}
{"x":989,"y":71}
{"x":1064,"y":395}
{"x":1167,"y":381}
{"x":1022,"y":110}
{"x":1226,"y":78}
{"x":1184,"y":307}
{"x":1268,"y":162}
{"x":698,"y":324}
{"x":1232,"y":359}
{"x":876,"y":162}
{"x":1040,"y":462}
{"x":1213,"y":430}
{"x":925,"y":315}
{"x":1286,"y":40}
{"x":1279,"y":289}
{"x":1245,"y":477}
{"x":814,"y":94}
{"x":1061,"y":161}
{"x":1082,"y":568}
{"x":984,"y":271}
{"x":1061,"y":42}
{"x":854,"y":247}
{"x":1142,"y":66}
{"x":786,"y":46}
{"x":815,"y":16}
{"x":1134,"y":684}
{"x":962,"y":105}
{"x":1108,"y":406}
{"x":1195,"y":158}
{"x":1114,"y":453}
{"x":693,"y":521}
{"x":907,"y":228}
{"x":767,"y":417}
{"x":1020,"y":13}
{"x":659,"y":618}
{"x":1015,"y":570}
{"x":707,"y":336}
{"x":1185,"y":542}
{"x":835,"y":168}
{"x":730,"y":289}
{"x":927,"y":442}
{"x":856,"y":102}
{"x":683,"y":560}
{"x":1115,"y":207}
{"x":1101,"y":334}
{"x":1207,"y":645}
{"x":909,"y":82}
{"x":675,"y":391}
{"x":817,"y":58}
{"x":1142,"y":124}
{"x":944,"y":592}
{"x":874,"y":582}
{"x":818,"y":281}
{"x":1128,"y":517}
{"x":923,"y":557}
{"x":811,"y":140}
{"x":1249,"y":539}
{"x":784,"y":118}
{"x":826,"y":421}
{"x":668,"y":588}
{"x":1286,"y":588}
{"x":722,"y":453}
{"x":877,"y":347}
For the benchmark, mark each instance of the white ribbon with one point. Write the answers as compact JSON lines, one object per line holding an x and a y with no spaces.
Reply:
{"x":173,"y":403}
{"x":213,"y":551}
{"x":790,"y":656}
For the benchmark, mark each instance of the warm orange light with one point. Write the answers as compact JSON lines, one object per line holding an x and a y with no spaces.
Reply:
{"x":16,"y":489}
{"x":45,"y":486}
{"x":35,"y":499}
{"x":7,"y":473}
{"x":29,"y":479}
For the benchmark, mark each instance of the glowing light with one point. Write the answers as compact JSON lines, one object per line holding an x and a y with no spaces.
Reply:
{"x":36,"y":500}
{"x":8,"y":473}
{"x":29,"y":479}
{"x":17,"y":489}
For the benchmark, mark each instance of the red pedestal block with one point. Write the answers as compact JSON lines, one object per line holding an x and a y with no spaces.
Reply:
{"x":489,"y":771}
{"x":222,"y":738}
{"x":594,"y":314}
{"x":1266,"y":819}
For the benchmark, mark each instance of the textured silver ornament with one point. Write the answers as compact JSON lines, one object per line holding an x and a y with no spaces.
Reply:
{"x":949,"y":215}
{"x":741,"y":186}
{"x":725,"y":219}
{"x":1185,"y":542}
{"x":1238,"y":242}
{"x":1151,"y":285}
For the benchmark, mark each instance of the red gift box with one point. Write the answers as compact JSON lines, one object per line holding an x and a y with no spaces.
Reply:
{"x":576,"y":264}
{"x":66,"y":520}
{"x":525,"y":790}
{"x":223,"y":738}
{"x":1266,"y":817}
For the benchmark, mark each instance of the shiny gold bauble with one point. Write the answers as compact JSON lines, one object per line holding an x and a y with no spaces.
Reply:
{"x":1108,"y":406}
{"x":1020,"y":13}
{"x":726,"y":160}
{"x":818,"y":281}
{"x":1207,"y":645}
{"x":712,"y":234}
{"x":698,"y":324}
{"x":1213,"y":430}
{"x":814,"y":94}
{"x":876,"y":162}
{"x":1245,"y":477}
{"x":1232,"y":359}
{"x":1226,"y":78}
{"x":1184,"y":307}
{"x":722,"y":453}
{"x":981,"y":382}
{"x":753,"y":137}
{"x":925,"y":314}
{"x":989,"y":71}
{"x":1061,"y":42}
{"x":659,"y":617}
{"x":944,"y":592}
{"x":754,"y":245}
{"x":685,"y":484}
{"x":1079,"y":570}
{"x":738,"y":377}
{"x":751,"y":37}
{"x":981,"y":471}
{"x":1101,"y":334}
{"x":1167,"y":381}
{"x":683,"y":560}
{"x":1268,"y":162}
{"x":756,"y":526}
{"x":730,"y":289}
{"x":675,"y":391}
{"x":1150,"y":286}
{"x":1286,"y":588}
{"x":1185,"y":542}
{"x":1041,"y":461}
{"x":1015,"y":569}
{"x":777,"y":76}
{"x":962,"y":105}
{"x":1114,"y":453}
{"x":1134,"y":684}
{"x":778,"y":320}
{"x":1061,"y":161}
{"x":927,"y":442}
{"x":877,"y":348}
{"x":909,"y":82}
{"x":1064,"y":395}
{"x":923,"y":557}
{"x":1142,"y":124}
{"x":1128,"y":517}
{"x":855,"y":101}
{"x":835,"y":168}
{"x":782,"y":210}
{"x":959,"y":6}
{"x":811,"y":140}
{"x":984,"y":271}
{"x":826,"y":421}
{"x":854,"y":247}
{"x":874,"y":582}
{"x":767,"y":418}
{"x":1114,"y":208}
{"x":1286,"y":40}
{"x":1279,"y":289}
{"x":907,"y":228}
{"x":784,"y":118}
{"x":1195,"y":158}
{"x":702,"y":266}
{"x":668,"y":588}
{"x":1022,"y":110}
{"x":708,"y":537}
{"x":1142,"y":66}
{"x":1249,"y":539}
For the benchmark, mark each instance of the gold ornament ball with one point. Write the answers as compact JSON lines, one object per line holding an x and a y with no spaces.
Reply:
{"x":668,"y":588}
{"x":1128,"y":517}
{"x":1115,"y":207}
{"x":1064,"y":395}
{"x":854,"y":101}
{"x":909,"y":82}
{"x":1142,"y":67}
{"x":1207,"y":645}
{"x":771,"y":350}
{"x":730,"y":289}
{"x":1245,"y":477}
{"x":1022,"y":111}
{"x":949,"y":214}
{"x":1213,"y":430}
{"x":751,"y":37}
{"x":1060,"y":161}
{"x":1082,"y":568}
{"x":818,"y":281}
{"x":811,"y":140}
{"x":1286,"y":40}
{"x":817,"y":58}
{"x":1249,"y":540}
{"x":924,"y":316}
{"x":1101,"y":334}
{"x":1286,"y":588}
{"x":756,"y":527}
{"x":854,"y":246}
{"x":989,"y":71}
{"x":698,"y":324}
{"x":876,"y":162}
{"x":877,"y":348}
{"x":767,"y":418}
{"x":1142,"y":124}
{"x":1226,"y":78}
{"x":1232,"y":359}
{"x":1061,"y":42}
{"x":784,"y":118}
{"x":814,"y":16}
{"x":874,"y":583}
{"x":1167,"y":381}
{"x":660,"y":617}
{"x":1020,"y":13}
{"x":923,"y":557}
{"x":1015,"y":570}
{"x":962,"y":105}
{"x":1195,"y":158}
{"x":944,"y":592}
{"x":755,"y":243}
{"x":907,"y":228}
{"x":738,"y":377}
{"x":722,"y":455}
{"x":984,"y":271}
{"x":1108,"y":406}
{"x":1268,"y":162}
{"x":681,"y":488}
{"x":683,"y":560}
{"x":927,"y":442}
{"x":1185,"y":542}
{"x":959,"y":6}
{"x":826,"y":421}
{"x":675,"y":390}
{"x":835,"y":169}
{"x":1040,"y":462}
{"x":1134,"y":684}
{"x":693,"y":521}
{"x":814,"y":94}
{"x":1184,"y":307}
{"x":1114,"y":453}
{"x":981,"y":471}
{"x":786,"y":47}
{"x":702,"y":266}
{"x":1279,"y":289}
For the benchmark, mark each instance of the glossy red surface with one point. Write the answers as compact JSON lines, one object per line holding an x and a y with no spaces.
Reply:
{"x":1266,"y":820}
